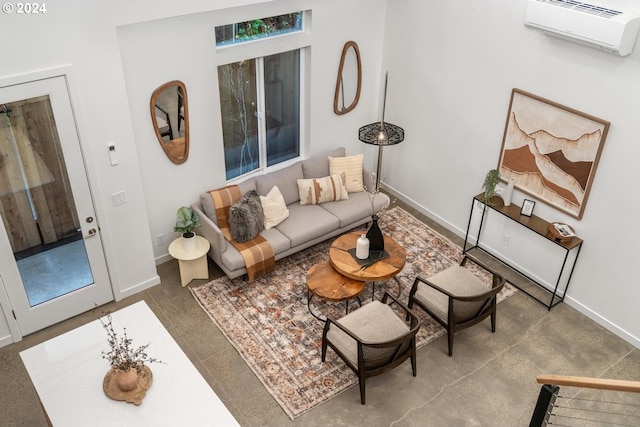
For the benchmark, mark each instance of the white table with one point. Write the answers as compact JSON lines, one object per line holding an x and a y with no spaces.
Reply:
{"x":67,"y":372}
{"x":193,"y":264}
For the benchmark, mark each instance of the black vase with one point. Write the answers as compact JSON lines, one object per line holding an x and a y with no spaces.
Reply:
{"x":376,"y":239}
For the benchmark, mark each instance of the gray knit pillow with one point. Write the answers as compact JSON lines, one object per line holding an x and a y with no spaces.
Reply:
{"x":246,"y":218}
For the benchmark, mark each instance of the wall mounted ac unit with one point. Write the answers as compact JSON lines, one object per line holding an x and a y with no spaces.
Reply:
{"x":610,"y":25}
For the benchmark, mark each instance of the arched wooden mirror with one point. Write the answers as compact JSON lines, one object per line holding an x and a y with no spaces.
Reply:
{"x":170,"y":117}
{"x":349,"y":79}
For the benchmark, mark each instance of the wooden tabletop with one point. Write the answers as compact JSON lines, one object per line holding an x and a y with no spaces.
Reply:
{"x":384,"y":269}
{"x":325,"y":282}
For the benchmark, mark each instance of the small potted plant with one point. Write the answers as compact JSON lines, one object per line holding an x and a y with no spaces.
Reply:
{"x":188,"y":220}
{"x":126,"y":361}
{"x":491,"y":181}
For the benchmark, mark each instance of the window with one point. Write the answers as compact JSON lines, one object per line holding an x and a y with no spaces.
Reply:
{"x":260,"y":106}
{"x":258,"y":28}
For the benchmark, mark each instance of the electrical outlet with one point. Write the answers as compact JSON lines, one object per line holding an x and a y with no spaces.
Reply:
{"x":118,"y":198}
{"x":160,"y":240}
{"x":505,"y":239}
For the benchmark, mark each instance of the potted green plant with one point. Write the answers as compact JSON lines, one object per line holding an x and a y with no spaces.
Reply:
{"x":491,"y":181}
{"x":188,"y":220}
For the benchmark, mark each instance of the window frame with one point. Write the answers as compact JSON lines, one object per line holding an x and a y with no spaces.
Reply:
{"x":258,"y":49}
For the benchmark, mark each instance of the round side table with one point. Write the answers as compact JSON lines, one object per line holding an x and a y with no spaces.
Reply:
{"x":325,"y":282}
{"x":193,"y":264}
{"x":381,"y":271}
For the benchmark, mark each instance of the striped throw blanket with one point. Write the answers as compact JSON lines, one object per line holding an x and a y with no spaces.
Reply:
{"x":257,"y":253}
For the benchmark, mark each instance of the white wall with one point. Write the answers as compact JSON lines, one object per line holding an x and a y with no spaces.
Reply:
{"x":452,"y":66}
{"x":112,"y":106}
{"x":183,"y":48}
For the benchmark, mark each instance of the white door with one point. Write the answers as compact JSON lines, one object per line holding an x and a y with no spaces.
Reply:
{"x":56,"y":268}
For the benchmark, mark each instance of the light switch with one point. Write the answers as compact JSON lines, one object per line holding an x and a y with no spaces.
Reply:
{"x":113,"y":156}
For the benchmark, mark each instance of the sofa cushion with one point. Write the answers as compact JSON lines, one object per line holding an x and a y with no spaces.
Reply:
{"x":246,"y":218}
{"x":208,"y":207}
{"x":274,"y":208}
{"x":318,"y":166}
{"x":285,"y":179}
{"x":307,"y":222}
{"x":357,"y":207}
{"x":232,"y":259}
{"x":314,"y":191}
{"x":352,"y":168}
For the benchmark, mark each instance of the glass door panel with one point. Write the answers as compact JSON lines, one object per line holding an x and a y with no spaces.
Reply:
{"x":37,"y":204}
{"x":58,"y":269}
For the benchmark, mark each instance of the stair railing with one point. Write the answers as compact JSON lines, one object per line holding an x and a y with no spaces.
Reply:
{"x":598,"y":402}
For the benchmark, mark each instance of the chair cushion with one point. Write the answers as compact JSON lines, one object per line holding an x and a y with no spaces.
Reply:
{"x":458,"y":280}
{"x":374,"y":322}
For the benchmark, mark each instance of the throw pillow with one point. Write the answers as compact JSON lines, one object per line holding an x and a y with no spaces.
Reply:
{"x":321,"y":190}
{"x":246,"y":218}
{"x":352,"y":168}
{"x":274,"y":208}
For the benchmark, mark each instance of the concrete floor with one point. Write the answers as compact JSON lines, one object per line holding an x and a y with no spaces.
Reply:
{"x":489,"y":381}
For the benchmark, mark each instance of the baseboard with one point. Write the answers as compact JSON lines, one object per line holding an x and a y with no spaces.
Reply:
{"x":163,"y":258}
{"x":611,"y":327}
{"x":155,"y":280}
{"x":6,"y":340}
{"x":417,"y":206}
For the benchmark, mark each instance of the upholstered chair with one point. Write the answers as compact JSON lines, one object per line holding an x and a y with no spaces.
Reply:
{"x":456,"y":298}
{"x":374,"y":338}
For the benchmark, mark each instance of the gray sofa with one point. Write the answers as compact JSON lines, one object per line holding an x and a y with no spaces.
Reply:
{"x":306,"y":224}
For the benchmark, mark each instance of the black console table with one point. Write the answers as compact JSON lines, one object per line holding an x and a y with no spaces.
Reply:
{"x":543,"y":294}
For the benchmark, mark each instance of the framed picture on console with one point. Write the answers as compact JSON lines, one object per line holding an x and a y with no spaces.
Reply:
{"x":551,"y":151}
{"x":527,"y":207}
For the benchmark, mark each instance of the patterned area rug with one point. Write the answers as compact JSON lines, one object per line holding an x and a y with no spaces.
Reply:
{"x":268,"y":321}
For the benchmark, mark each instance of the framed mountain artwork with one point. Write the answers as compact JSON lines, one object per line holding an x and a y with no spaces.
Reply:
{"x":551,"y":151}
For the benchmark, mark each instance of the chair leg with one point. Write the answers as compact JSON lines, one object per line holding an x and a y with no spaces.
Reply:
{"x":493,"y":319}
{"x":361,"y":380}
{"x":450,"y":339}
{"x":324,"y":350}
{"x":414,"y":364}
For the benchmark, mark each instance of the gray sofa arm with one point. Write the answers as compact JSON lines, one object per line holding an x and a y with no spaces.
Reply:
{"x":210,"y":231}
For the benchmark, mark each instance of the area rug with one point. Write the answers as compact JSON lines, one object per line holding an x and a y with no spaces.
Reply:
{"x":269,"y":323}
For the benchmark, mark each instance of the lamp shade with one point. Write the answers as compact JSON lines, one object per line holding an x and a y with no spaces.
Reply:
{"x":381,"y":133}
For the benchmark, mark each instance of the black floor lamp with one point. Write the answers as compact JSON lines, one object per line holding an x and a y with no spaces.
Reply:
{"x":381,"y":134}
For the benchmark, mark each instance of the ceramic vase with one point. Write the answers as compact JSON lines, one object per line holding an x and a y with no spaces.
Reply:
{"x":376,"y":239}
{"x":127,"y":380}
{"x":362,"y":247}
{"x":507,"y":193}
{"x":189,"y":243}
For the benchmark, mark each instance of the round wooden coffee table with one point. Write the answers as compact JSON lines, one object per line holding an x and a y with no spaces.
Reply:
{"x":325,"y":282}
{"x":345,"y":264}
